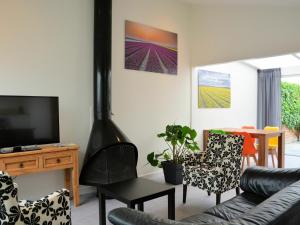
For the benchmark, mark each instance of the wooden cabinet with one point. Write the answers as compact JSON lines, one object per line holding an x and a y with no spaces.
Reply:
{"x":48,"y":158}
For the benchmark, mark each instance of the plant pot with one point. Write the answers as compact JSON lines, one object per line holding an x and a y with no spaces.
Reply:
{"x":173,"y":172}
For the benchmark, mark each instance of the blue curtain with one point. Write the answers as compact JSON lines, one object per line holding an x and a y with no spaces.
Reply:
{"x":269,"y":98}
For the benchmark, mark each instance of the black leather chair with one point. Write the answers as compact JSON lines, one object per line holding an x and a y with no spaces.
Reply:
{"x":270,"y":197}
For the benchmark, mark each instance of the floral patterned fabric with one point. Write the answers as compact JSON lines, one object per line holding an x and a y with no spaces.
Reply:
{"x":219,"y":169}
{"x":53,"y":209}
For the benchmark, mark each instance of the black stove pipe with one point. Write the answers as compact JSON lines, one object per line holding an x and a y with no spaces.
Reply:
{"x":102,"y":59}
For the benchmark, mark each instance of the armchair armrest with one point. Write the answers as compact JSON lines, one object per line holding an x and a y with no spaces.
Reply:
{"x":127,"y":216}
{"x":267,"y":181}
{"x":54,"y":208}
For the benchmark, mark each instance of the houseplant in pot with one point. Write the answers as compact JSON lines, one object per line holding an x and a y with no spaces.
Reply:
{"x":180,"y":140}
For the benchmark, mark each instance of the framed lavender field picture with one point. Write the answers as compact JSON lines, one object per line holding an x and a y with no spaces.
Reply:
{"x":150,"y":49}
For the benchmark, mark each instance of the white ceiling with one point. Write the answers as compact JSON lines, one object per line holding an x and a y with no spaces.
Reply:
{"x":244,"y":2}
{"x":283,"y":61}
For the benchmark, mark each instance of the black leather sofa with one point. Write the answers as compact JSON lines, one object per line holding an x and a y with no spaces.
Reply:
{"x":270,"y":196}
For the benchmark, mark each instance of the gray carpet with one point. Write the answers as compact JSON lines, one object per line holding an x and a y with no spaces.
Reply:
{"x":197,"y":201}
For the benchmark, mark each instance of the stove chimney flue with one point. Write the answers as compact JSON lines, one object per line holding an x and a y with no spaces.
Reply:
{"x":102,"y":59}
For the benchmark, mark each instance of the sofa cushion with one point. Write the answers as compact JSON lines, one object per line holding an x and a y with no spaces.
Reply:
{"x":228,"y":210}
{"x":203,"y":218}
{"x":236,"y":206}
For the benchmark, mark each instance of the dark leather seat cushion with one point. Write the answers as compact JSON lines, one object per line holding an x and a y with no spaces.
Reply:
{"x":236,"y":206}
{"x":228,"y":210}
{"x":203,"y":218}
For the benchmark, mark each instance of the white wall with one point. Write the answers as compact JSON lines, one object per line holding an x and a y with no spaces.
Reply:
{"x":144,"y":103}
{"x":224,"y":33}
{"x":46,"y":48}
{"x":243,"y":108}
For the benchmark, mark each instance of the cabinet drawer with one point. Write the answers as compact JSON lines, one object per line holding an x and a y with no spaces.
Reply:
{"x":54,"y":160}
{"x":21,"y":163}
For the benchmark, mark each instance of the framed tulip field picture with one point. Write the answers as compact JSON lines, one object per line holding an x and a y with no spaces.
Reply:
{"x":150,"y":49}
{"x":214,"y":90}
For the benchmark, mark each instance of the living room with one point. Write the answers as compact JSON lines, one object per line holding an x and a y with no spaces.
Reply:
{"x":46,"y":49}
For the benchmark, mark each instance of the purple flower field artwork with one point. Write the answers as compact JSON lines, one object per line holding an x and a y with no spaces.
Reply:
{"x":150,"y":49}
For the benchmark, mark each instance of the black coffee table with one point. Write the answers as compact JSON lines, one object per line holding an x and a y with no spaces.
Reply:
{"x":136,"y":192}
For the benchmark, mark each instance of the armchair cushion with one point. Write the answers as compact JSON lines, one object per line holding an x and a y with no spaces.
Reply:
{"x":203,"y":176}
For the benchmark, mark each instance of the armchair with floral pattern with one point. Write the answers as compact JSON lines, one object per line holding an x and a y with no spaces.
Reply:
{"x":216,"y":170}
{"x":54,"y":209}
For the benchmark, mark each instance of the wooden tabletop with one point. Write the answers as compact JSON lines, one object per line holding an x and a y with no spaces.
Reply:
{"x":254,"y":132}
{"x":44,"y":149}
{"x":136,"y":189}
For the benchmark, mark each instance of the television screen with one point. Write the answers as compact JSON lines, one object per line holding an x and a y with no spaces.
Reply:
{"x":28,"y":120}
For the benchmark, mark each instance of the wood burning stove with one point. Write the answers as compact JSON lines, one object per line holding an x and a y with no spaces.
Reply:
{"x":110,"y":156}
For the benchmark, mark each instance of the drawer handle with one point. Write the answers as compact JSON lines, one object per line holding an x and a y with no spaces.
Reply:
{"x":58,"y":160}
{"x":21,"y":165}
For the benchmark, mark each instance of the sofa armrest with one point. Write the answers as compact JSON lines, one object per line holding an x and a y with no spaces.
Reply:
{"x":267,"y":181}
{"x":127,"y":216}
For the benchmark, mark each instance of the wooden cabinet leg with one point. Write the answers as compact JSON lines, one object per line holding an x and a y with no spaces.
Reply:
{"x":75,"y":181}
{"x":68,"y":179}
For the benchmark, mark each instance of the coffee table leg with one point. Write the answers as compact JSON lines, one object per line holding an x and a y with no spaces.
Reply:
{"x":131,"y":205}
{"x":171,"y":205}
{"x":102,"y":210}
{"x":141,"y":206}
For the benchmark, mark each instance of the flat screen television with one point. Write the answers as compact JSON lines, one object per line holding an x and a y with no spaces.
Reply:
{"x":28,"y":120}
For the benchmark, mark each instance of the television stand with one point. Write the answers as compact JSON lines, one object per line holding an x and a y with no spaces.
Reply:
{"x":48,"y":158}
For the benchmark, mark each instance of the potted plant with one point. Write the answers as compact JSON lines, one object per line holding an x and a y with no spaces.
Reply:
{"x":180,"y":140}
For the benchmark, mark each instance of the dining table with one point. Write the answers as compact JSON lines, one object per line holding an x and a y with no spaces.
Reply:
{"x":263,"y":143}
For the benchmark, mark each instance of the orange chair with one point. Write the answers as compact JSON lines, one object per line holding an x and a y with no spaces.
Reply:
{"x":249,"y":149}
{"x":249,"y":127}
{"x":273,"y":144}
